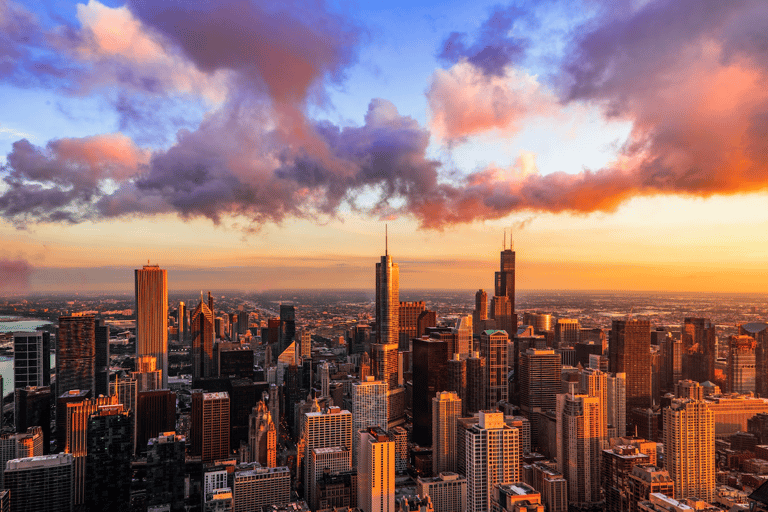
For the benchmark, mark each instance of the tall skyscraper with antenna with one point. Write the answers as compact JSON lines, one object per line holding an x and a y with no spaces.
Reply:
{"x":387,"y":319}
{"x":152,"y":316}
{"x":505,"y":277}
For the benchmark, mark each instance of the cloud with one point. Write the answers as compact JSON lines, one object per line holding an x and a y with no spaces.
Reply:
{"x":58,"y":182}
{"x":464,"y":101}
{"x":14,"y":275}
{"x":283,"y":48}
{"x":495,"y":46}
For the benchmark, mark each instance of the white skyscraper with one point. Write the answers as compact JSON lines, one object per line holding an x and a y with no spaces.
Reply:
{"x":376,"y":472}
{"x":325,"y":429}
{"x":369,"y":406}
{"x":492,"y":457}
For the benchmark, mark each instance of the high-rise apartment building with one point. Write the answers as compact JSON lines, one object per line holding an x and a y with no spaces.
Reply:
{"x":463,"y":333}
{"x":699,"y":349}
{"x":262,"y":437}
{"x":376,"y":471}
{"x":20,"y":445}
{"x":617,"y":464}
{"x":369,"y":407}
{"x":629,"y":352}
{"x":759,"y":331}
{"x":152,"y":316}
{"x":328,"y":429}
{"x":446,"y":410}
{"x":493,"y":346}
{"x":209,"y":431}
{"x":202,"y":334}
{"x":447,"y":491}
{"x":492,"y":451}
{"x":33,"y":409}
{"x":648,"y":479}
{"x":581,"y":434}
{"x":42,"y":484}
{"x":430,"y":361}
{"x":741,"y":364}
{"x":108,"y":463}
{"x":261,"y":487}
{"x":31,"y":359}
{"x":456,"y":371}
{"x":165,"y":471}
{"x":689,"y":448}
{"x":671,"y":363}
{"x":75,"y":353}
{"x":334,"y":459}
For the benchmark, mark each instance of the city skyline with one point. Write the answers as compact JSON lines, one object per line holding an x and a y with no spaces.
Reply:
{"x":649,"y":176}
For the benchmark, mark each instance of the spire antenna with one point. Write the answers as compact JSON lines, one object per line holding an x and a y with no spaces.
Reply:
{"x":386,"y":241}
{"x":504,"y":243}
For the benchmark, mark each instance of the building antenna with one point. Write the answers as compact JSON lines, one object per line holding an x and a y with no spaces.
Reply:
{"x":504,"y":243}
{"x":511,"y":239}
{"x":386,"y":241}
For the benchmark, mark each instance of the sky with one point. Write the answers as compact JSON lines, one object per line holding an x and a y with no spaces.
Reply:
{"x":254,"y":145}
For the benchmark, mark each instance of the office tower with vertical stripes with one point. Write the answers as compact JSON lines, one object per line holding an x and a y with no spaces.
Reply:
{"x":152,"y":316}
{"x":42,"y":484}
{"x":581,"y":434}
{"x":629,"y":351}
{"x":493,"y":346}
{"x":75,"y":354}
{"x":369,"y":406}
{"x":209,"y":431}
{"x":201,"y":331}
{"x":446,"y":410}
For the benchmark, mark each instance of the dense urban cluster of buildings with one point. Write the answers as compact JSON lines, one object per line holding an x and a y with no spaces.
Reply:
{"x":407,"y":410}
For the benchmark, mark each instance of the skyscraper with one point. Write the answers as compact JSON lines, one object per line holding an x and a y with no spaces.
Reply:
{"x":262,"y":437}
{"x":505,"y":277}
{"x":332,"y":428}
{"x":369,"y":406}
{"x":152,"y":316}
{"x":446,"y":409}
{"x":699,"y":349}
{"x":387,"y":301}
{"x":101,"y":362}
{"x":42,"y":484}
{"x":287,"y":328}
{"x":629,"y":352}
{"x":408,"y":322}
{"x":33,"y":409}
{"x":29,"y":356}
{"x":492,"y":457}
{"x":493,"y":346}
{"x":155,"y":414}
{"x":580,"y":440}
{"x":201,"y":331}
{"x":481,"y":310}
{"x":376,"y":471}
{"x":75,"y":353}
{"x":108,"y":464}
{"x":430,"y":362}
{"x":210,"y":425}
{"x":181,"y":319}
{"x":165,"y":471}
{"x":477,"y":383}
{"x":689,"y":448}
{"x":539,"y":385}
{"x":741,"y":364}
{"x":384,"y":362}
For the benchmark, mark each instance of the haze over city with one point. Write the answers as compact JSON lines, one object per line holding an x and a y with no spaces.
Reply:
{"x":621,"y":143}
